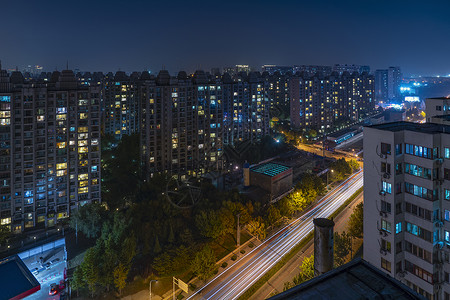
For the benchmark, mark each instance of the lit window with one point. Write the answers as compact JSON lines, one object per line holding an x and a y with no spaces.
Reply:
{"x":61,"y":173}
{"x":5,"y":221}
{"x":83,"y":176}
{"x":83,"y":129}
{"x":83,"y":190}
{"x":61,"y":117}
{"x":61,"y":166}
{"x":82,"y":143}
{"x":398,"y":227}
{"x":82,"y":149}
{"x":83,"y":183}
{"x":61,"y":145}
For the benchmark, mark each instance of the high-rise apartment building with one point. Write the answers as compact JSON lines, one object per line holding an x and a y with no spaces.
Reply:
{"x":182,"y":124}
{"x":50,"y":149}
{"x":319,"y":101}
{"x":246,"y":108}
{"x":394,"y":82}
{"x":407,"y":204}
{"x":121,"y":111}
{"x":381,"y":85}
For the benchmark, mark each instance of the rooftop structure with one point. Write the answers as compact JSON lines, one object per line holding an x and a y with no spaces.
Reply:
{"x":16,"y":282}
{"x":355,"y":280}
{"x":270,"y":169}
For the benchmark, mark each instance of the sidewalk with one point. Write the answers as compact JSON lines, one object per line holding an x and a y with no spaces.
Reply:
{"x":291,"y":269}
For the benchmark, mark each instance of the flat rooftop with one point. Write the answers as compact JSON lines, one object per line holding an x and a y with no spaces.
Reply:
{"x":353,"y":281}
{"x":270,"y":169}
{"x":16,"y":281}
{"x":429,"y":128}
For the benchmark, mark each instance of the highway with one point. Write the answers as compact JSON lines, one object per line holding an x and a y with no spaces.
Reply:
{"x":247,"y":270}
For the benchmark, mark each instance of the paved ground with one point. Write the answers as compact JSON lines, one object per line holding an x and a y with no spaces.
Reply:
{"x":291,"y":269}
{"x":53,"y":274}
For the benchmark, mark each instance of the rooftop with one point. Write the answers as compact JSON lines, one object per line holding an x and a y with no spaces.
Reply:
{"x":444,"y":117}
{"x":355,"y":280}
{"x":16,"y":281}
{"x":439,"y":98}
{"x":270,"y":169}
{"x":429,"y":128}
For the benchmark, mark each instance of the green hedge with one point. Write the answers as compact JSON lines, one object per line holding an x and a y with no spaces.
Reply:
{"x":269,"y":274}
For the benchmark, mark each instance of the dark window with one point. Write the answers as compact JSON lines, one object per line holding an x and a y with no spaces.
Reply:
{"x":385,"y":206}
{"x":385,"y":148}
{"x":398,"y":247}
{"x":398,"y":149}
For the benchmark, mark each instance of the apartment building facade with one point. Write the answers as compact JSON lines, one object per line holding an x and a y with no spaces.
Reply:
{"x":50,"y":149}
{"x":407,"y":204}
{"x":320,"y":101}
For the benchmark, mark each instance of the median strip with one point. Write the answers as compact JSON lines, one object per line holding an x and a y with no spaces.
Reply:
{"x":269,"y":274}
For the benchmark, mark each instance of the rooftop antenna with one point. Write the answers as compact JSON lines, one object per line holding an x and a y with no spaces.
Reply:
{"x":163,"y":67}
{"x":67,"y":65}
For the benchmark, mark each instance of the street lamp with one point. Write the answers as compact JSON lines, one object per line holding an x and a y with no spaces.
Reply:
{"x":154,"y":280}
{"x":327,"y":176}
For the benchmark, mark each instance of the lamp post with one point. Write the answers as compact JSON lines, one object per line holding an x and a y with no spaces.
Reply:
{"x":150,"y":287}
{"x":327,"y":177}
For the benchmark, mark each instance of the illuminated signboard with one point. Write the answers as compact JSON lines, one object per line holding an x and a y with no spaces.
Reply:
{"x":412,"y":99}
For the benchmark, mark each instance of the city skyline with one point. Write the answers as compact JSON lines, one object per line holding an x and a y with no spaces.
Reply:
{"x":153,"y":36}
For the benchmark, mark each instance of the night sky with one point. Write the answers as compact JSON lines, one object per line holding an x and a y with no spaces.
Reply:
{"x":137,"y":35}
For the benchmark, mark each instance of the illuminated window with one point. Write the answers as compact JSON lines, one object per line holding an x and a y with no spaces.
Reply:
{"x":82,"y":143}
{"x":83,"y":183}
{"x":61,"y":117}
{"x":83,"y":116}
{"x":94,"y":181}
{"x":61,"y":166}
{"x":61,"y":173}
{"x":61,"y":145}
{"x":83,"y":129}
{"x":82,"y":149}
{"x":83,"y":190}
{"x":71,"y":143}
{"x":5,"y":221}
{"x":83,"y":176}
{"x":83,"y":136}
{"x":94,"y":142}
{"x":40,"y":118}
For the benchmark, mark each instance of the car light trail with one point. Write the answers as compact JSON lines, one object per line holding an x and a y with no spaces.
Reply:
{"x":243,"y":273}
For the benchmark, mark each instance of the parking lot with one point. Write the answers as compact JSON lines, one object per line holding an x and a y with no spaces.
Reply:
{"x":48,"y":270}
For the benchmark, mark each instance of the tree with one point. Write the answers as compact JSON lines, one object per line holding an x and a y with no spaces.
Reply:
{"x":89,"y":219}
{"x":157,"y":248}
{"x":354,"y":165}
{"x":204,"y":263}
{"x":257,"y":228}
{"x":77,"y":280}
{"x":342,"y":247}
{"x":90,"y":269}
{"x":120,"y":276}
{"x":356,"y":222}
{"x":5,"y":232}
{"x":306,"y":270}
{"x":273,"y":215}
{"x":341,"y":169}
{"x":214,"y":224}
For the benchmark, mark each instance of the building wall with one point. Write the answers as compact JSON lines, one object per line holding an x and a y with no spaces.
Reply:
{"x":428,"y":213}
{"x":436,"y":107}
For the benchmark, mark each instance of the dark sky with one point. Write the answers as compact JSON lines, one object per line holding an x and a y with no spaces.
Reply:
{"x":137,"y":35}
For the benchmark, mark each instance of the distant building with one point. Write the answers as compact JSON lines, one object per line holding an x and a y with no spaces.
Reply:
{"x":311,"y":69}
{"x":319,"y":102}
{"x":271,"y":69}
{"x":381,"y":85}
{"x":406,"y":204}
{"x":394,"y":82}
{"x":341,"y":68}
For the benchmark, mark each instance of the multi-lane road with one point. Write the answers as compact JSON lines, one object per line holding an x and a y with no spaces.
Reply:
{"x":246,"y":271}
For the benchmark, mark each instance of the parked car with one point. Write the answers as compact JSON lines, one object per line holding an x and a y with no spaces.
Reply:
{"x":53,"y":289}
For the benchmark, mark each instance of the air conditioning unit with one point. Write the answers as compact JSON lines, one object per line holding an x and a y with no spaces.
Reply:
{"x":383,"y":156}
{"x":383,"y":214}
{"x":386,"y":175}
{"x":401,"y":274}
{"x":383,"y":251}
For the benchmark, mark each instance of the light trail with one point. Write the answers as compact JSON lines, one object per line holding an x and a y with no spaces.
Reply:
{"x":245,"y":272}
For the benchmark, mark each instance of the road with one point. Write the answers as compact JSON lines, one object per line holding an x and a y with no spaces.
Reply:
{"x":291,"y":268}
{"x":246,"y":271}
